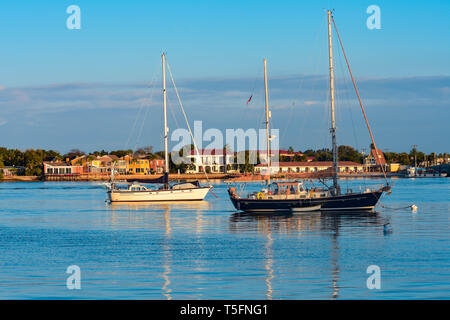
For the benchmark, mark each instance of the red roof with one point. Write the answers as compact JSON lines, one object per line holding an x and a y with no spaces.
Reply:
{"x":207,"y":152}
{"x":287,"y":153}
{"x":281,"y":152}
{"x":313,"y":164}
{"x":381,"y":159}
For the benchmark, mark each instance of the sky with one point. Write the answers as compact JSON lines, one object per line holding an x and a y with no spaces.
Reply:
{"x":99,"y":87}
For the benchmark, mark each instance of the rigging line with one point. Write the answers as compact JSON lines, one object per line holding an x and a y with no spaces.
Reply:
{"x":344,"y":96}
{"x":144,"y":118}
{"x":326,"y":120}
{"x":134,"y":126}
{"x":138,"y":115}
{"x":261,"y":101}
{"x":255,"y":100}
{"x":258,"y":76}
{"x":339,"y":105}
{"x":259,"y":120}
{"x":184,"y":113}
{"x":172,"y":112}
{"x":313,"y":91}
{"x":302,"y":80}
{"x":360,"y":103}
{"x":326,"y":112}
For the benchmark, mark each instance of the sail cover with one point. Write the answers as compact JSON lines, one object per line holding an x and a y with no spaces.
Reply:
{"x":164,"y":179}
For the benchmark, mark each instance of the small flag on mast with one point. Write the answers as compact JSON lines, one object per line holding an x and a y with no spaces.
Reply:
{"x":249,"y":99}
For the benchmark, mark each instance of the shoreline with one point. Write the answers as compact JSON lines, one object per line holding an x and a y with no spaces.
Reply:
{"x":189,"y":177}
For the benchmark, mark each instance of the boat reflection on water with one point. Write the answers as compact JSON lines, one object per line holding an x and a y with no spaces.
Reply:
{"x":329,"y":223}
{"x":167,"y":256}
{"x":160,"y":216}
{"x":142,"y":215}
{"x":158,"y":206}
{"x":316,"y":221}
{"x":269,"y":265}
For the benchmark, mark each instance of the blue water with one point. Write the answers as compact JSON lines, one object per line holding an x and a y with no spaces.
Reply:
{"x":208,"y":251}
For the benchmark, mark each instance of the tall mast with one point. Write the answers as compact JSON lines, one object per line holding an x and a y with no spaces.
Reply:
{"x":333,"y":120}
{"x":377,"y":159}
{"x":166,"y":130}
{"x":267,"y":119}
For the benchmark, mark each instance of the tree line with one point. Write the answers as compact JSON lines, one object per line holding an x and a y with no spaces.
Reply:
{"x":31,"y":159}
{"x":347,"y":153}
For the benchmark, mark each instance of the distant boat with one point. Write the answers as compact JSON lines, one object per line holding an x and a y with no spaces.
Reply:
{"x":415,"y":172}
{"x":136,"y":192}
{"x":294,"y":196}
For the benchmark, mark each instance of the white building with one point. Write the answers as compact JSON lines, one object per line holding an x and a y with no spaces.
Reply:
{"x":308,"y":167}
{"x":210,"y":160}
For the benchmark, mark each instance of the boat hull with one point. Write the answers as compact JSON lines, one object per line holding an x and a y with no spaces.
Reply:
{"x":427,"y":175}
{"x":306,"y":209}
{"x":354,"y":201}
{"x":194,"y":194}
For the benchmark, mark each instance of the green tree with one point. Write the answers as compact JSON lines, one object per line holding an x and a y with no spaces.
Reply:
{"x":121,"y":153}
{"x":144,"y":151}
{"x":298,"y":157}
{"x":347,"y":153}
{"x":324,"y":155}
{"x":33,"y":162}
{"x":247,"y":166}
{"x":403,"y":158}
{"x":74,"y":153}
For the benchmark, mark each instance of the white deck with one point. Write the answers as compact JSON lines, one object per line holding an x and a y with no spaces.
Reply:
{"x":195,"y":194}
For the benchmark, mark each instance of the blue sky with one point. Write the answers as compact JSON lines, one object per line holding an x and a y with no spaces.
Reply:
{"x":66,"y":89}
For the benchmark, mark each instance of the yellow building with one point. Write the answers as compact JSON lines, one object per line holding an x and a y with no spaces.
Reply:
{"x":394,"y":167}
{"x":139,"y":165}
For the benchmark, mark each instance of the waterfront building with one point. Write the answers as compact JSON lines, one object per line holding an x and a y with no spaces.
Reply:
{"x":102,"y":164}
{"x":156,"y":165}
{"x":137,"y":165}
{"x":60,"y":168}
{"x":372,"y":165}
{"x":211,"y":161}
{"x":143,"y":164}
{"x":12,"y":170}
{"x":310,"y":167}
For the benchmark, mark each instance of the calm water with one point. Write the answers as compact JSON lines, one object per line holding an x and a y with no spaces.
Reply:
{"x":208,"y":251}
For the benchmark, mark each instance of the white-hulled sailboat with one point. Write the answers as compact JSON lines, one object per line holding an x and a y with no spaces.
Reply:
{"x":136,"y":192}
